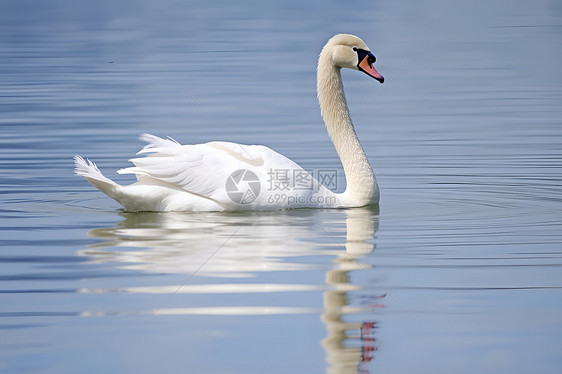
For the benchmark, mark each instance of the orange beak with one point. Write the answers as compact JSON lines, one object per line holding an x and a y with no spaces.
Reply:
{"x":366,"y":60}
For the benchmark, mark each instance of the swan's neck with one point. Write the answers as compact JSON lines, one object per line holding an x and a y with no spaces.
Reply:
{"x":362,"y":186}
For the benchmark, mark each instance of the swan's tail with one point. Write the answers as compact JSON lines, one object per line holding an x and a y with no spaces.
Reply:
{"x":90,"y":171}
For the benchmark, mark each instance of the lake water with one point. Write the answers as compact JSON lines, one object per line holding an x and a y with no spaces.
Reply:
{"x":457,"y":271}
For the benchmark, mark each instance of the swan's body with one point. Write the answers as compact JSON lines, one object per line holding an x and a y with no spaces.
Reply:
{"x":222,"y":176}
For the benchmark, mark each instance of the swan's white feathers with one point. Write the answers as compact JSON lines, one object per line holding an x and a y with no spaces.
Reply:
{"x":202,"y":169}
{"x":158,"y":145}
{"x":89,"y":169}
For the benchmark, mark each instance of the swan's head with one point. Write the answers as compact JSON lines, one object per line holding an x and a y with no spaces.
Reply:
{"x":349,"y":51}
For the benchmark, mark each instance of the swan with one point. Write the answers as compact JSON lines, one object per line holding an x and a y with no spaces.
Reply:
{"x":224,"y":176}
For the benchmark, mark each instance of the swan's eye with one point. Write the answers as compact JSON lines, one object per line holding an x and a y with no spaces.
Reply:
{"x":370,"y":58}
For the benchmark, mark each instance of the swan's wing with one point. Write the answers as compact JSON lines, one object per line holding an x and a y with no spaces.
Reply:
{"x":201,"y":169}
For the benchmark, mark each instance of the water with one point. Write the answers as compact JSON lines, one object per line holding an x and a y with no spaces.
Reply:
{"x":458,"y":271}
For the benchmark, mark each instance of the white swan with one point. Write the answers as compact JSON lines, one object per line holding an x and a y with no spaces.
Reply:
{"x":222,"y":176}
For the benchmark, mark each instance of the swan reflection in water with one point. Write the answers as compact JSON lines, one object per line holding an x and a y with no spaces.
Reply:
{"x":240,"y":245}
